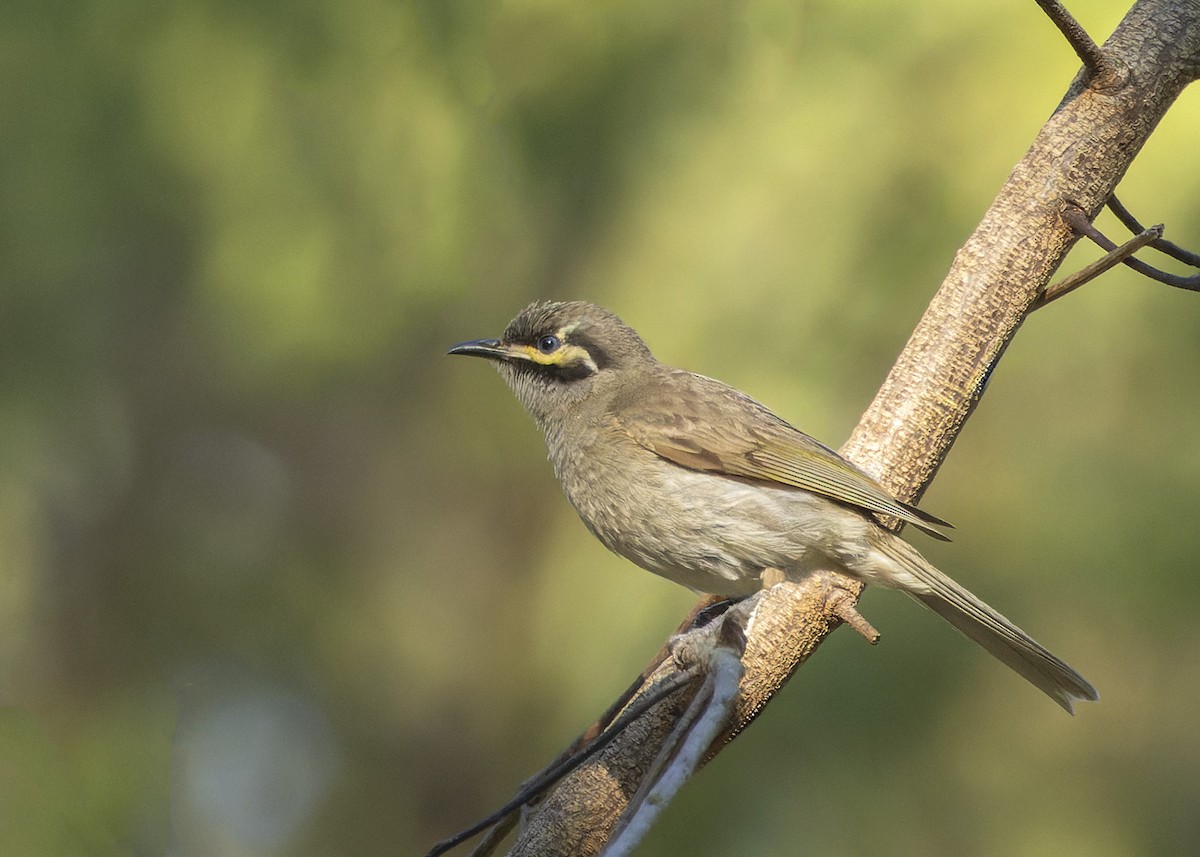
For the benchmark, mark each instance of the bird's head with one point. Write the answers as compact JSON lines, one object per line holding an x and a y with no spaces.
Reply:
{"x":554,"y":354}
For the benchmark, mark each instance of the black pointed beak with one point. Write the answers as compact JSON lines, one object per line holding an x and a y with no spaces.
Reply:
{"x":490,"y":348}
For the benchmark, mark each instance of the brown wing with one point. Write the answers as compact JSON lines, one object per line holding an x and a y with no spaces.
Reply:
{"x":751,"y":442}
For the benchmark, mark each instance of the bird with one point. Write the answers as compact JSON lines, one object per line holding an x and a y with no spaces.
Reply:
{"x":693,"y":480}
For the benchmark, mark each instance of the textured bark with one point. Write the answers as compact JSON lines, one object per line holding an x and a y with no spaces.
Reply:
{"x":1078,"y":158}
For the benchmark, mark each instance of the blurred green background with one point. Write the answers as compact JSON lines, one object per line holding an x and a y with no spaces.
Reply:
{"x":279,"y":578}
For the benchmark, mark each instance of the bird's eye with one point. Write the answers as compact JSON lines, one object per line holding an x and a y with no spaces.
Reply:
{"x":548,"y":344}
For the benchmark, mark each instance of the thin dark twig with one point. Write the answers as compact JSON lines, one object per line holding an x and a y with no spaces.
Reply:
{"x":1088,"y":273}
{"x":1162,"y":244}
{"x":708,"y":609}
{"x":1082,"y":226}
{"x":1099,"y":67}
{"x":605,"y":720}
{"x":567,"y":763}
{"x":496,"y":835}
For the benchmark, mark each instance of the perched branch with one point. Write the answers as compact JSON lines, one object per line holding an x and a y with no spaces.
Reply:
{"x":1079,"y":156}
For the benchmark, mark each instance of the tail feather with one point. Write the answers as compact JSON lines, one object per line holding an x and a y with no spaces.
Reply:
{"x":979,"y":622}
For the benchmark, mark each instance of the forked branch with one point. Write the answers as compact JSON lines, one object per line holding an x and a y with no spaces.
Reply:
{"x":1162,"y":245}
{"x":1115,"y":256}
{"x":1100,"y":69}
{"x":1085,"y":227}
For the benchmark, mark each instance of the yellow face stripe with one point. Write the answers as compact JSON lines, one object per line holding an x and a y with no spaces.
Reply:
{"x":566,"y":355}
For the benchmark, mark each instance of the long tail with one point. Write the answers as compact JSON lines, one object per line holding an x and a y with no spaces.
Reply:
{"x":979,"y":622}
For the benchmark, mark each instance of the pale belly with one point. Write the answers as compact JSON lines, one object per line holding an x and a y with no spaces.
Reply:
{"x":708,"y":532}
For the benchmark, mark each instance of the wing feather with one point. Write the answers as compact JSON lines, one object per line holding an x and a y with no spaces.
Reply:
{"x":751,"y":442}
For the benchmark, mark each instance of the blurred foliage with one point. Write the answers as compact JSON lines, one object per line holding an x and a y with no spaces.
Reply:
{"x":278,"y":578}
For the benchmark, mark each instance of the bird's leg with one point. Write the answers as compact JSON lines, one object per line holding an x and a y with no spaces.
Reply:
{"x":842,"y":603}
{"x":692,"y":644}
